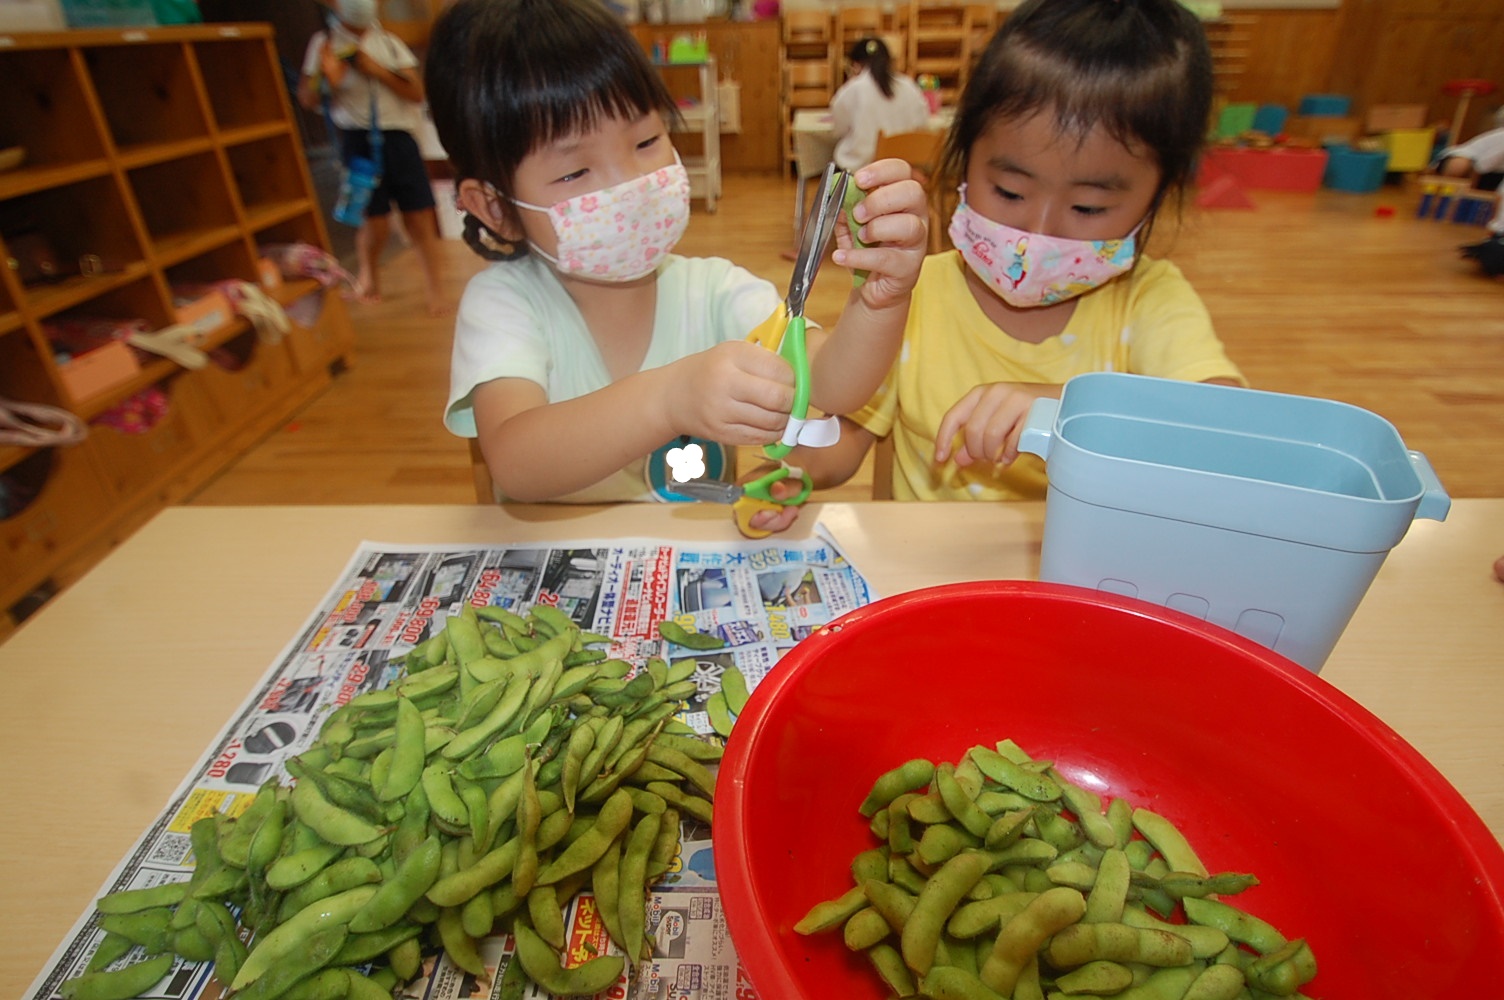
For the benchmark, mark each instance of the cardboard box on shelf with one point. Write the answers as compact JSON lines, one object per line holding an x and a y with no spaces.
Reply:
{"x":204,"y":310}
{"x":93,"y":372}
{"x":1383,"y":117}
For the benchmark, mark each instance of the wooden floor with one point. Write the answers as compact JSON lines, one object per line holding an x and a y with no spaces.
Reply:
{"x":1315,"y":294}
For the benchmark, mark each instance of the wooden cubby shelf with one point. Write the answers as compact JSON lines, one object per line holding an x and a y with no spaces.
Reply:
{"x":156,"y":161}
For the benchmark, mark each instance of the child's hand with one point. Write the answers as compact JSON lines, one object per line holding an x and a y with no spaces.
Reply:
{"x":775,"y":521}
{"x":735,"y":393}
{"x":893,"y":221}
{"x":989,"y":419}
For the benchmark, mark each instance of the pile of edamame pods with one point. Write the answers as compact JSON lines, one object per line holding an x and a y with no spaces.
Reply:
{"x":997,"y":878}
{"x":512,"y":766}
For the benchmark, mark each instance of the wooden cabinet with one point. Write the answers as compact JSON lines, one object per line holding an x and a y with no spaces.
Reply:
{"x":746,"y":55}
{"x":152,"y":160}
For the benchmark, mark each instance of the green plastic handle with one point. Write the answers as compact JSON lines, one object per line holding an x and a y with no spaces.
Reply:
{"x":793,"y":350}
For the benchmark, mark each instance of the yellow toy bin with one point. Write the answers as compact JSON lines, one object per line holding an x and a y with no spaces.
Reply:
{"x":1409,"y":148}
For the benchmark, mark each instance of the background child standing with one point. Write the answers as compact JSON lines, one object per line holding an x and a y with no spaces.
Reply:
{"x":588,"y":345}
{"x":1082,"y":119}
{"x":361,"y":69}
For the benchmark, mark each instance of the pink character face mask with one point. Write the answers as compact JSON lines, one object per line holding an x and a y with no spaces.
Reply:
{"x":619,"y":233}
{"x":1030,"y":269}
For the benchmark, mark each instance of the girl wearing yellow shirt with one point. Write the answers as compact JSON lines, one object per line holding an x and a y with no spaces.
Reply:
{"x":1082,"y":118}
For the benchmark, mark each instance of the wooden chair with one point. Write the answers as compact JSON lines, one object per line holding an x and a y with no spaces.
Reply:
{"x":485,"y":489}
{"x":857,"y":22}
{"x":921,"y":150}
{"x":808,"y":84}
{"x":882,"y":468}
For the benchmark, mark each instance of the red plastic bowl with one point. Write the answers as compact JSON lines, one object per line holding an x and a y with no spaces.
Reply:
{"x":1362,"y":847}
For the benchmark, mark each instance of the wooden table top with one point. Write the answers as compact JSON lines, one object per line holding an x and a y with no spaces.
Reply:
{"x":115,"y":689}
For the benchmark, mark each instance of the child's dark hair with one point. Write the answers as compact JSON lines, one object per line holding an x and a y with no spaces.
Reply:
{"x":1141,"y":69}
{"x":505,"y":77}
{"x":873,"y":54}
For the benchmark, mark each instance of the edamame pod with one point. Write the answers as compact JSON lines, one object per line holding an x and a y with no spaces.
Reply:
{"x":680,"y":636}
{"x":904,"y":778}
{"x":277,"y":946}
{"x":633,"y":883}
{"x":336,"y":825}
{"x":941,"y":895}
{"x":1023,"y":936}
{"x":542,"y":966}
{"x":408,"y":754}
{"x":118,"y":984}
{"x":615,"y":814}
{"x":135,"y":900}
{"x":1169,"y":842}
{"x":412,"y":879}
{"x":734,"y":686}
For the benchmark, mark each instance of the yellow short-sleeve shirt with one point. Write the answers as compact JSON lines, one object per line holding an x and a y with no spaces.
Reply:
{"x":1147,"y":322}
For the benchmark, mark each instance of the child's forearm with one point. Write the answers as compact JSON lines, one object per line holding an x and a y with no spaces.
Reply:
{"x":834,"y":465}
{"x":852,"y":362}
{"x":549,"y":451}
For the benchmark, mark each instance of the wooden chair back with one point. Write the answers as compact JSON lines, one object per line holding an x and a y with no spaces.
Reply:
{"x":921,"y":150}
{"x":485,"y":489}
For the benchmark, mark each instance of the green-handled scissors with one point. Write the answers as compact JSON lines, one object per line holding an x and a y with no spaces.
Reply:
{"x":791,"y":347}
{"x":749,"y":498}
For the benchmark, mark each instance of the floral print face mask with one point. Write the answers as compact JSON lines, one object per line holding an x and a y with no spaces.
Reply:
{"x":619,"y":233}
{"x":1031,"y":269}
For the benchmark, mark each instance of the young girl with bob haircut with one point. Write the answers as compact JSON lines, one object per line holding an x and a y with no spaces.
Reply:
{"x":588,"y":349}
{"x":1082,"y":119}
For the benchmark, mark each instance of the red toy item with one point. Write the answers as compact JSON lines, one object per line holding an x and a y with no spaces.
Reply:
{"x":1464,"y":90}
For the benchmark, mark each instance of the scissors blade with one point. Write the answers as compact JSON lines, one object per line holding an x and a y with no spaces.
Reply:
{"x":818,"y":228}
{"x":708,"y":490}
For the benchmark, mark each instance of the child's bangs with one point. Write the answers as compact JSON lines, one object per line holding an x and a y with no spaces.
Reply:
{"x":563,"y":100}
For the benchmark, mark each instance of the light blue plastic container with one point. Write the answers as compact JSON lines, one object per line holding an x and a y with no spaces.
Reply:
{"x":1265,"y":513}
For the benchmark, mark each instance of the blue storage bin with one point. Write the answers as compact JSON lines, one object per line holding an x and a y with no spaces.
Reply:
{"x":1325,"y":104}
{"x":1264,"y":513}
{"x":1349,"y":169}
{"x":1270,"y":119}
{"x":109,"y":13}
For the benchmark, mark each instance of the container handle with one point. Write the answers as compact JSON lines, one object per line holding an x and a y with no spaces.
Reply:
{"x":1434,"y":501}
{"x":1039,"y":427}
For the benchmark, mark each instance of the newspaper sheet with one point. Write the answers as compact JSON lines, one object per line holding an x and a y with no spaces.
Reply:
{"x":760,"y":598}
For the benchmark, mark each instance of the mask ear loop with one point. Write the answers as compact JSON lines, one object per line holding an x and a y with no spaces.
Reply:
{"x":484,"y":241}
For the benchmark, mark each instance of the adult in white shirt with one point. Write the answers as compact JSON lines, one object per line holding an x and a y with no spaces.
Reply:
{"x":875,"y":99}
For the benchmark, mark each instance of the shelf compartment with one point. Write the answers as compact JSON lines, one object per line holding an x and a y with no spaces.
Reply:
{"x":319,"y":333}
{"x":131,"y":462}
{"x":244,"y":375}
{"x":250,"y":133}
{"x":186,"y":204}
{"x":149,"y":94}
{"x":89,"y":230}
{"x":237,"y":74}
{"x":268,"y":175}
{"x":23,"y":374}
{"x":300,"y":228}
{"x":160,"y":152}
{"x":232,"y":260}
{"x":28,"y":180}
{"x":44,"y":108}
